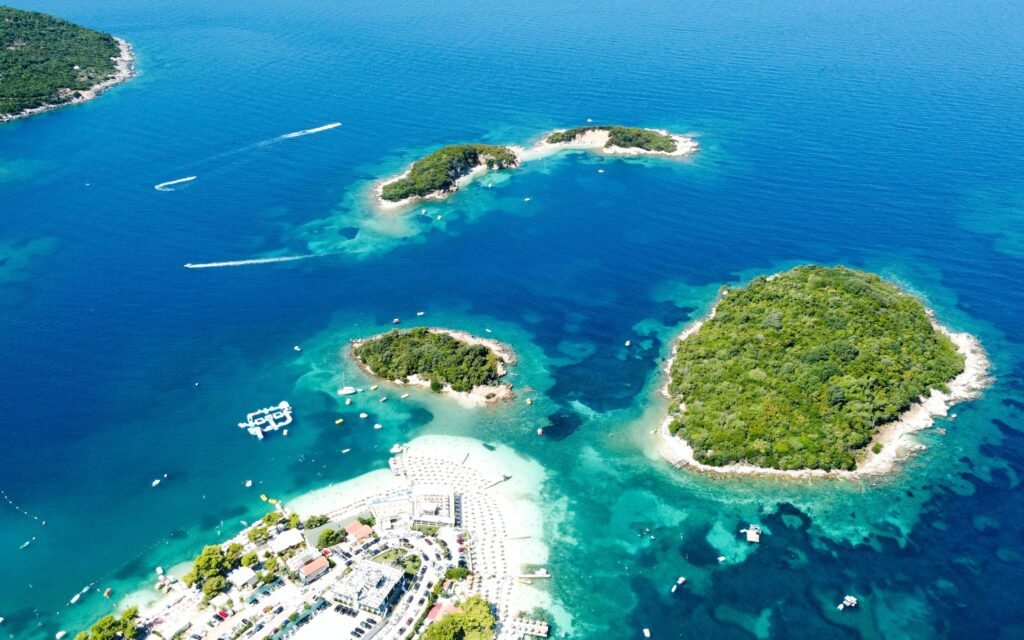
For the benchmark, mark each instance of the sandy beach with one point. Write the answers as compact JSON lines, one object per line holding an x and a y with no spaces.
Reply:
{"x":124,"y":70}
{"x":895,"y":437}
{"x":479,"y":396}
{"x":594,"y":140}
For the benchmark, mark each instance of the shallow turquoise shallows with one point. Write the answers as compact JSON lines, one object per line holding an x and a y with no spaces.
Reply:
{"x":884,"y":135}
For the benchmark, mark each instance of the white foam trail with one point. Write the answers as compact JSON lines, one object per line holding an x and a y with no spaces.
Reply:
{"x":242,"y":263}
{"x":306,"y":132}
{"x":163,"y":186}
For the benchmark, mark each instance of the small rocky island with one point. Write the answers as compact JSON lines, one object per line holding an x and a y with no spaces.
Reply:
{"x":442,"y":172}
{"x":815,"y":370}
{"x":617,"y":137}
{"x":46,"y":62}
{"x":439,"y":172}
{"x":446,"y":361}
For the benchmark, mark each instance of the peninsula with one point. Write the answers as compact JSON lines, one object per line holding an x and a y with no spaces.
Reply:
{"x":440,"y":547}
{"x":442,"y":172}
{"x":813,"y":371}
{"x":446,"y":361}
{"x":46,"y":62}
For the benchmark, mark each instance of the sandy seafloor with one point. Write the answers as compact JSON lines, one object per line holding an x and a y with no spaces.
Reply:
{"x":872,"y":134}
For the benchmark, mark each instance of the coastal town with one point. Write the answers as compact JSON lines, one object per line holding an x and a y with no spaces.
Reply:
{"x":389,"y":565}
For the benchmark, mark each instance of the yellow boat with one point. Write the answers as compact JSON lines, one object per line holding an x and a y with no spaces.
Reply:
{"x":339,"y":421}
{"x":263,"y":497}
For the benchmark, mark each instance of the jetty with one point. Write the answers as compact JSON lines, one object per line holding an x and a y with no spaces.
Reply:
{"x":268,"y":419}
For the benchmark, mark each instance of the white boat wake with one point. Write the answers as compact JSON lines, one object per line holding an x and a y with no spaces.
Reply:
{"x":242,"y":263}
{"x":166,"y":186}
{"x":306,"y":132}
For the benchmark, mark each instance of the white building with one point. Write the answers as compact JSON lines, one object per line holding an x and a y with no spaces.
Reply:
{"x":286,"y":540}
{"x":243,"y":577}
{"x":433,"y":505}
{"x":370,"y":586}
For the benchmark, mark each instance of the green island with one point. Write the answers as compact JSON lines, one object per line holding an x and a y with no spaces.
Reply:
{"x":799,"y":370}
{"x":439,"y":171}
{"x":473,"y":621}
{"x":46,"y":61}
{"x":624,"y":137}
{"x":439,"y":357}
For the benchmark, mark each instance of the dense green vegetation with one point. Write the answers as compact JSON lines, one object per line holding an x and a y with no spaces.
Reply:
{"x":439,"y":170}
{"x":798,"y":371}
{"x":330,"y":537}
{"x":456,"y":573}
{"x":210,"y":569}
{"x":474,"y":622}
{"x":112,"y":627}
{"x":437,"y":357}
{"x":44,"y":60}
{"x":625,"y":137}
{"x":314,"y":521}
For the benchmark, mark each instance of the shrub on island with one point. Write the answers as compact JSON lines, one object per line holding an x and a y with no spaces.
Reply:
{"x":434,"y":356}
{"x":624,"y":137}
{"x":45,"y":60}
{"x":439,"y":170}
{"x":798,"y":371}
{"x":110,"y":627}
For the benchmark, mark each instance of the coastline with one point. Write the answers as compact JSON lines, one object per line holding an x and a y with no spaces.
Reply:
{"x":481,"y":395}
{"x":894,"y":436}
{"x":594,"y":140}
{"x":124,"y":70}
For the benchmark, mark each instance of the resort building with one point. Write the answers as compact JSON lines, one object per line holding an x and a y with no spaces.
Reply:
{"x":313,"y":570}
{"x":243,"y":577}
{"x":358,"y":531}
{"x":286,"y":540}
{"x":300,"y":560}
{"x":369,"y":586}
{"x":433,"y":505}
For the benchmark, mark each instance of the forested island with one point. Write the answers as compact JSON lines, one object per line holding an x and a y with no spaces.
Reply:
{"x":46,"y":62}
{"x":441,"y":359}
{"x":622,"y":137}
{"x":800,"y":370}
{"x":439,"y":171}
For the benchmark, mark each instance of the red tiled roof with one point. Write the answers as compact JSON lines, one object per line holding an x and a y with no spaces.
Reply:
{"x":314,"y":567}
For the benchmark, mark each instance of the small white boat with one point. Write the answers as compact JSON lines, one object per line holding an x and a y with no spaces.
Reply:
{"x":540,"y":432}
{"x":396,"y":320}
{"x":674,"y":587}
{"x":346,"y":391}
{"x":404,"y":396}
{"x":25,"y":544}
{"x":721,"y":558}
{"x":60,"y":634}
{"x":647,"y":633}
{"x":156,"y":482}
{"x":590,"y":120}
{"x":75,"y":598}
{"x":600,"y":170}
{"x":420,"y":313}
{"x":680,"y":580}
{"x":248,"y":483}
{"x":526,"y":199}
{"x":374,"y":387}
{"x":364,"y":415}
{"x":297,"y":348}
{"x":159,"y":571}
{"x":345,"y":450}
{"x":378,"y":426}
{"x":383,"y":398}
{"x":629,"y":343}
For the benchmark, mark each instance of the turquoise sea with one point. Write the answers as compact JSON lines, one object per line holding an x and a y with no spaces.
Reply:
{"x":884,"y":135}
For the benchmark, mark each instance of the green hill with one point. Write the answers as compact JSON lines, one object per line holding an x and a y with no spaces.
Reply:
{"x":45,"y":60}
{"x":439,"y":170}
{"x":798,"y":371}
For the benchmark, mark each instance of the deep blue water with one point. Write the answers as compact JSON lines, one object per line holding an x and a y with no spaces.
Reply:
{"x":883,"y":135}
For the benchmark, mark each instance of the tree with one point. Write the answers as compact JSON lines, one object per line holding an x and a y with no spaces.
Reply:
{"x":250,"y":559}
{"x":213,"y":586}
{"x":259,"y":534}
{"x":294,"y":521}
{"x":328,"y":538}
{"x":112,"y":627}
{"x":456,"y":573}
{"x":233,"y":554}
{"x":316,"y":521}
